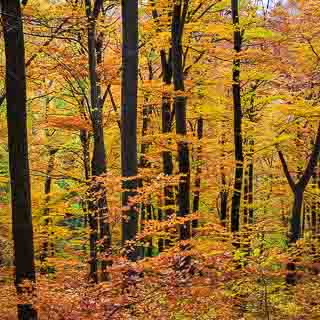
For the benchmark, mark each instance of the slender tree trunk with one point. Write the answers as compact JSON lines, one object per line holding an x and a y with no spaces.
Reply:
{"x":250,"y":196}
{"x":314,"y":205}
{"x":296,"y":215}
{"x":98,"y":162}
{"x":166,"y":119}
{"x":18,"y":150}
{"x":144,"y":163}
{"x":236,"y":89}
{"x":224,"y":192}
{"x":46,"y":212}
{"x":180,"y":106}
{"x":84,"y":138}
{"x":197,"y":183}
{"x":299,"y":187}
{"x":129,"y":163}
{"x":248,"y":187}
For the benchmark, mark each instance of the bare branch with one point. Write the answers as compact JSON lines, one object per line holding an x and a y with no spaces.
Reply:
{"x":286,"y":171}
{"x":304,"y":180}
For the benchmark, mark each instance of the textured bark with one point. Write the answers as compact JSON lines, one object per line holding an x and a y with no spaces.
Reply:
{"x":129,"y":163}
{"x":18,"y":150}
{"x":98,"y":207}
{"x":47,"y":190}
{"x":197,"y":183}
{"x":146,"y":211}
{"x":223,"y":195}
{"x":166,"y":120}
{"x":180,"y":107}
{"x":299,"y":187}
{"x":248,"y":187}
{"x":237,"y":125}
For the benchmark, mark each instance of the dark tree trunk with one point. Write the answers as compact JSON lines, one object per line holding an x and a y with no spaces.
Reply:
{"x":85,"y":143}
{"x":180,"y":107}
{"x":129,"y":90}
{"x":250,"y":197}
{"x":248,"y":187}
{"x":18,"y":150}
{"x":166,"y":119}
{"x":197,"y":183}
{"x":296,"y":215}
{"x":237,"y":114}
{"x":223,"y":195}
{"x":144,"y":163}
{"x":98,"y":207}
{"x":47,"y":190}
{"x":314,"y":204}
{"x":299,"y":187}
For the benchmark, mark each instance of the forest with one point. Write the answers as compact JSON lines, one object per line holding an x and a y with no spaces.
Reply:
{"x":160,"y":159}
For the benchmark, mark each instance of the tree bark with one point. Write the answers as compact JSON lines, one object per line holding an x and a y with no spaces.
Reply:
{"x":180,"y":107}
{"x":248,"y":188}
{"x":299,"y":187}
{"x":166,"y":119}
{"x":144,"y":163}
{"x":18,"y":150}
{"x":223,"y":195}
{"x":237,"y":126}
{"x":197,"y":183}
{"x":129,"y":163}
{"x":98,"y":207}
{"x":47,"y":189}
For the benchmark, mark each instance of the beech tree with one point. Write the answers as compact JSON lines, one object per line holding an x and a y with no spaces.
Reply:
{"x":237,"y":118}
{"x":18,"y":151}
{"x":180,"y":11}
{"x":129,"y":160}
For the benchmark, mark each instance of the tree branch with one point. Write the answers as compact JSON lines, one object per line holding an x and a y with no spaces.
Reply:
{"x":97,"y":8}
{"x":304,"y":180}
{"x":286,"y":171}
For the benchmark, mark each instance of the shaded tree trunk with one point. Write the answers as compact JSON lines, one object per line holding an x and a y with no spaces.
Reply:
{"x":180,"y":107}
{"x":144,"y":163}
{"x":18,"y":150}
{"x":296,"y":215}
{"x":248,"y":188}
{"x":197,"y":183}
{"x":98,"y":207}
{"x":129,"y":163}
{"x":299,"y":187}
{"x":47,"y":190}
{"x":166,"y":120}
{"x":223,"y":195}
{"x":85,"y":143}
{"x":237,"y":126}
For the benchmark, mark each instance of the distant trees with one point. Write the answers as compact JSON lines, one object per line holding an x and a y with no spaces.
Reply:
{"x":18,"y":150}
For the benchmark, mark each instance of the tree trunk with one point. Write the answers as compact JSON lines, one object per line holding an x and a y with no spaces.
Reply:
{"x":18,"y":150}
{"x":197,"y":183}
{"x":248,"y":187}
{"x":85,"y":141}
{"x":98,"y":162}
{"x":166,"y":119}
{"x":180,"y":107}
{"x":223,"y":195}
{"x":144,"y":163}
{"x":129,"y":163}
{"x":47,"y":189}
{"x":296,"y":215}
{"x":236,"y":89}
